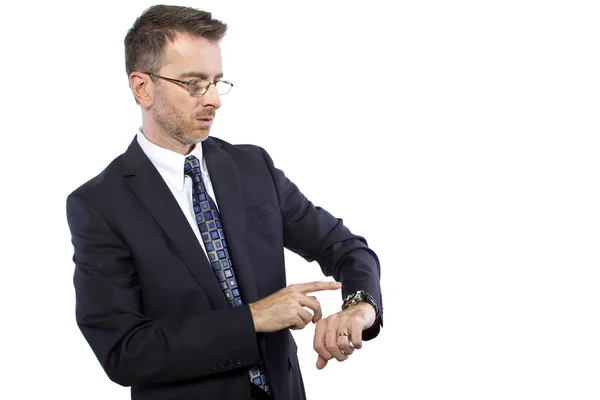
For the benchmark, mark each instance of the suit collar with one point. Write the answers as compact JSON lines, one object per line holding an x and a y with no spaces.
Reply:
{"x":135,"y":156}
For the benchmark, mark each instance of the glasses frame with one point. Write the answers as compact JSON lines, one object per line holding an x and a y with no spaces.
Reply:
{"x":188,"y":86}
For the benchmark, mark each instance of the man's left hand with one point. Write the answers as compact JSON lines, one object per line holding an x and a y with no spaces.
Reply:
{"x":338,"y":335}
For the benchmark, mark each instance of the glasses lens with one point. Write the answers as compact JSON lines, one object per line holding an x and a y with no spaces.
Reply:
{"x":223,"y":87}
{"x":197,"y":87}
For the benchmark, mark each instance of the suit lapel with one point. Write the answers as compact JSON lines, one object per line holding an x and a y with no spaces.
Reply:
{"x":148,"y":186}
{"x":225,"y":182}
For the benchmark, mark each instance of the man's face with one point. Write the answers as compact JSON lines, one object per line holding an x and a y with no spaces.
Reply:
{"x":184,"y":117}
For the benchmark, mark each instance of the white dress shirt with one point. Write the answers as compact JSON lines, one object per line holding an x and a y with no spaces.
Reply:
{"x":170,"y":166}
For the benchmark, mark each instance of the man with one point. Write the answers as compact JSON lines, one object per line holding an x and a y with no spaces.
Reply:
{"x":179,"y":242}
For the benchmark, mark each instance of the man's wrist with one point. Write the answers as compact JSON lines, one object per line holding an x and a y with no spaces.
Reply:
{"x":369,"y":312}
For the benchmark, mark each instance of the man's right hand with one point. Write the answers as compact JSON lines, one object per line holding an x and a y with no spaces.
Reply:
{"x":286,"y":307}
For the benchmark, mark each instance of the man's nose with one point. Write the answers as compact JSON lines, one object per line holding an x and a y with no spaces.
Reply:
{"x":211,"y":97}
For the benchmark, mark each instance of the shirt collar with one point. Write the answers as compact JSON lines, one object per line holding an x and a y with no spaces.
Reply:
{"x":169,"y":163}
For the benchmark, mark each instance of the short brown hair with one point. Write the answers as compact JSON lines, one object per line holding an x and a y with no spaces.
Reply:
{"x":145,"y":41}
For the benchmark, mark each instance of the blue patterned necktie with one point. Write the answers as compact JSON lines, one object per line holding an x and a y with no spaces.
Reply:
{"x":213,"y":237}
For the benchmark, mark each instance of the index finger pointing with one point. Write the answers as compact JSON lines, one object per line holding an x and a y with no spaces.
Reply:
{"x":317,"y":286}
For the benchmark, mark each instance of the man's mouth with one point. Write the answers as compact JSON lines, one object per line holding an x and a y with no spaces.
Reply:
{"x":205,"y":121}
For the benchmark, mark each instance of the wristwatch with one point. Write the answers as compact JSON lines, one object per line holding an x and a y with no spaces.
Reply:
{"x":358,"y":297}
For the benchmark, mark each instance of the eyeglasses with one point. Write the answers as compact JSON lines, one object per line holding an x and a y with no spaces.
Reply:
{"x":198,"y":87}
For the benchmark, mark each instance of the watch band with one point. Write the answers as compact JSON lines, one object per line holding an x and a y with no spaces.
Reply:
{"x":360,"y":296}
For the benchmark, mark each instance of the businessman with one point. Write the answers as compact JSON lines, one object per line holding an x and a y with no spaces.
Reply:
{"x":179,"y":243}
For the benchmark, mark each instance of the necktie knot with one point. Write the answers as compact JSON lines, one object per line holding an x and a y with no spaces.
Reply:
{"x":192,"y":166}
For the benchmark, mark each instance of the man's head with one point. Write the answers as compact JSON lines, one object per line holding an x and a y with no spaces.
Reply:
{"x":168,"y":44}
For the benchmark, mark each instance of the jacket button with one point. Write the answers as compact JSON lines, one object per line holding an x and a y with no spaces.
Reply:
{"x":238,"y":361}
{"x":230,"y":363}
{"x":214,"y":367}
{"x":222,"y":365}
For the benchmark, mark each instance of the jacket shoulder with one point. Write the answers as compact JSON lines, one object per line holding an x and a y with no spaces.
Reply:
{"x":227,"y":146}
{"x":240,"y":151}
{"x":102,"y":182}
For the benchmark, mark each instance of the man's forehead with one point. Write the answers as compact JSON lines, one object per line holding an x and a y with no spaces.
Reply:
{"x":194,"y":57}
{"x":187,"y":44}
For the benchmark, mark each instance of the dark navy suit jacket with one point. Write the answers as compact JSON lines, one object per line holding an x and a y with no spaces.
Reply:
{"x":148,"y":302}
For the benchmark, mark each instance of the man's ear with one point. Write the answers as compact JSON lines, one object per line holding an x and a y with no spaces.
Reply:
{"x":142,"y":88}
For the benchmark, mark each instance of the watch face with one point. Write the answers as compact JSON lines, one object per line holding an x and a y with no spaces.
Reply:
{"x":355,"y":296}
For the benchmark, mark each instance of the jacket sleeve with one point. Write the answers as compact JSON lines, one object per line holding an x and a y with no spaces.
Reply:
{"x":316,"y":235}
{"x":132,"y":348}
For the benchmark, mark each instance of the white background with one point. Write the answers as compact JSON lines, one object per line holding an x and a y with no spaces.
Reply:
{"x":461,"y":138}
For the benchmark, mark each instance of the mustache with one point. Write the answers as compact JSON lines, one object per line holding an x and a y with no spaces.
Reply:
{"x":206,"y":114}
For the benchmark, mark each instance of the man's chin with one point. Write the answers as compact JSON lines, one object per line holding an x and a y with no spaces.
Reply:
{"x":203,"y":134}
{"x":195,"y":137}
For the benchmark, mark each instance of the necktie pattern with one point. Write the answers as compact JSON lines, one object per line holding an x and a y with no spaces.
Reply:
{"x":213,"y":237}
